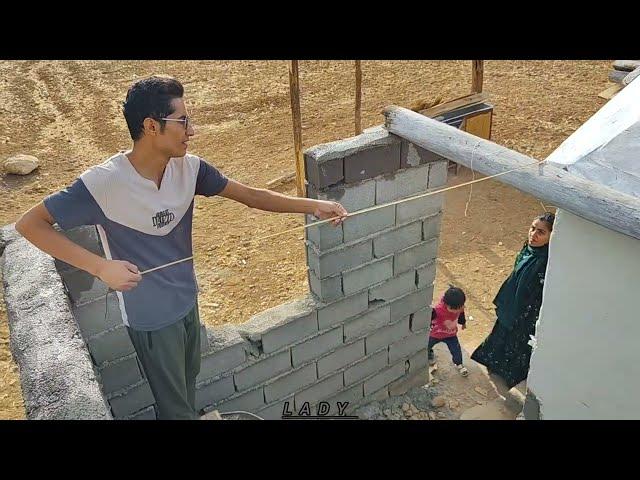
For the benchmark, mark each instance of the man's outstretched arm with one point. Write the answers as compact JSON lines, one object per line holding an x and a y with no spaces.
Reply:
{"x":271,"y":201}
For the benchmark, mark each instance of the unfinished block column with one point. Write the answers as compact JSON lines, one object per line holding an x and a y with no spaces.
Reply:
{"x":374,"y":274}
{"x":361,"y":332}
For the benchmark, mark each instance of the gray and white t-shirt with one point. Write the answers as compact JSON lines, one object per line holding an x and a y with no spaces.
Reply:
{"x":145,"y":225}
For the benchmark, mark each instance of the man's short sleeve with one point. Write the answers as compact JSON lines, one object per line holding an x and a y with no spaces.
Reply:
{"x":74,"y":206}
{"x":210,"y":181}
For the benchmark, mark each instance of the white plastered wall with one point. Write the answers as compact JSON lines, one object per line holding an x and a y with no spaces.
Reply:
{"x":586,"y":362}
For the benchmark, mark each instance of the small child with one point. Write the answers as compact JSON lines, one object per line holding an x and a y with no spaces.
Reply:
{"x":445,"y":317}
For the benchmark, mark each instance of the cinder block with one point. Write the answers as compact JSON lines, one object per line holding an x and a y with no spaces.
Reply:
{"x":274,"y":410}
{"x":420,"y":320}
{"x":419,"y":208}
{"x":411,"y":303}
{"x":343,"y":309}
{"x":221,"y":361}
{"x":431,"y":227}
{"x":366,"y":275}
{"x":250,"y":401}
{"x":372,"y":162}
{"x":134,"y":399}
{"x":367,"y":322}
{"x":328,"y":289}
{"x":290,"y":333}
{"x":224,"y":337}
{"x":418,"y":254}
{"x":83,"y":287}
{"x":328,"y":152}
{"x":120,"y":374}
{"x":413,"y":155}
{"x":419,"y":361}
{"x":339,"y":259}
{"x":325,"y":236}
{"x":263,"y":370}
{"x":282,"y":325}
{"x":316,"y":346}
{"x":85,"y":236}
{"x":426,"y":275}
{"x":322,"y":174}
{"x":340,"y":403}
{"x":387,"y":335}
{"x":379,"y":396}
{"x":384,"y":378}
{"x":321,"y":390}
{"x":148,"y":413}
{"x":397,"y":239}
{"x":404,"y":183}
{"x":397,"y":286}
{"x":409,"y":381}
{"x":374,"y":363}
{"x":368,"y":223}
{"x":340,"y":358}
{"x":290,"y":383}
{"x":96,"y":317}
{"x":438,"y":174}
{"x":407,"y":347}
{"x":352,"y":197}
{"x":110,"y":345}
{"x":208,"y":393}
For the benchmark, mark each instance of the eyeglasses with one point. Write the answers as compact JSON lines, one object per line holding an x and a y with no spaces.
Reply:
{"x":185,"y":120}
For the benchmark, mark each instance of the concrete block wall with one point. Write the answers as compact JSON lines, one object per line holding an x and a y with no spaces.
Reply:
{"x":96,"y":311}
{"x":56,"y":375}
{"x":359,"y":334}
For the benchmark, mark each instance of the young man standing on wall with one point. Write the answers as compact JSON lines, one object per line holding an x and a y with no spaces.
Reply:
{"x":142,"y":204}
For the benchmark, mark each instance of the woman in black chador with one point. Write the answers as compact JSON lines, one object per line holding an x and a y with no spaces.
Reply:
{"x":506,"y":351}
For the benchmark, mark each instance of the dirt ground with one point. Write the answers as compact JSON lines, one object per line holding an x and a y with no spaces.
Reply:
{"x":68,"y":115}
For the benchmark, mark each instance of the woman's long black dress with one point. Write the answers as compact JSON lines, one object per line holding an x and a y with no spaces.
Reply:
{"x":506,"y":351}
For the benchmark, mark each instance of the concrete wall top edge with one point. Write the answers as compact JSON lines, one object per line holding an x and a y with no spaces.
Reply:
{"x":370,"y":138}
{"x":274,"y":317}
{"x":57,"y":377}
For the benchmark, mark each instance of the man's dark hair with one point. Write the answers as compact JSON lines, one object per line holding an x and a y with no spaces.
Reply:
{"x":150,"y":97}
{"x":454,"y":297}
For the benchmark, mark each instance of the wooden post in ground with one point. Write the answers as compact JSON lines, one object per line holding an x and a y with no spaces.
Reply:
{"x":358,"y":98}
{"x":477,"y":73}
{"x":294,"y":91}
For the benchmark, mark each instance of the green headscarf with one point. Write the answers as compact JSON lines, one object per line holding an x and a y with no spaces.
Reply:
{"x":521,"y":292}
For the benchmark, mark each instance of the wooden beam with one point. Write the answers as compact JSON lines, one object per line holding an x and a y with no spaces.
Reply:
{"x":594,"y":202}
{"x":294,"y":92}
{"x":611,"y":91}
{"x":358,"y":97}
{"x":477,"y":74}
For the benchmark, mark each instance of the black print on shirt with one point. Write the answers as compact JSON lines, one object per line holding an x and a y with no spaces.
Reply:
{"x":163,"y":218}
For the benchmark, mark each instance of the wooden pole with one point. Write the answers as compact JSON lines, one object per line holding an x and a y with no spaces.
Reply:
{"x":477,"y":73}
{"x":358,"y":97}
{"x":294,"y":91}
{"x":592,"y":201}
